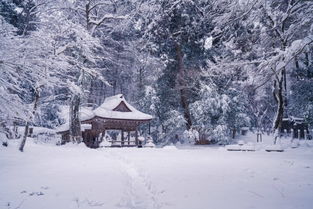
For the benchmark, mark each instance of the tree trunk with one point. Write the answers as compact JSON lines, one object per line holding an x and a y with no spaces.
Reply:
{"x":37,"y":95}
{"x":182,"y":86}
{"x":88,"y":26}
{"x":233,"y":133}
{"x":285,"y":95}
{"x":15,"y":129}
{"x":75,"y":130}
{"x":185,"y":105}
{"x":279,"y":97}
{"x":21,"y":148}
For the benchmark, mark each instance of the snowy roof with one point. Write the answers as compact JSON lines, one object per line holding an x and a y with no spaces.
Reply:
{"x":296,"y":118}
{"x":291,"y":118}
{"x":116,"y":107}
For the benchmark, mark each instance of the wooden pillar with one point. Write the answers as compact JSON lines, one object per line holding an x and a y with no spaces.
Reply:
{"x":122,"y":138}
{"x":149,"y":128}
{"x":136,"y":136}
{"x":102,"y":136}
{"x":128,"y":137}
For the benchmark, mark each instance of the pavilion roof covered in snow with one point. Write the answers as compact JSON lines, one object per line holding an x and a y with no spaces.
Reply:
{"x":114,"y":114}
{"x":116,"y":107}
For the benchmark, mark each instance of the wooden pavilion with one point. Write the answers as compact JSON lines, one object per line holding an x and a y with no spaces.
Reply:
{"x":114,"y":114}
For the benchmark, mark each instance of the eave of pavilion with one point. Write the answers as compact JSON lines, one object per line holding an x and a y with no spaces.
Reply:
{"x":104,"y":119}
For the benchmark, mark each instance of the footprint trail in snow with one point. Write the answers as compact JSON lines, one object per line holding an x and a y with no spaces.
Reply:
{"x":140,"y":192}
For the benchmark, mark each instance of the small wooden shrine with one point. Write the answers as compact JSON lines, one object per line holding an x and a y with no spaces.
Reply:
{"x":296,"y":126}
{"x":114,"y":114}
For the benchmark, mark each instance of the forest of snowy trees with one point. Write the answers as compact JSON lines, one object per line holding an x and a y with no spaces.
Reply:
{"x":207,"y":65}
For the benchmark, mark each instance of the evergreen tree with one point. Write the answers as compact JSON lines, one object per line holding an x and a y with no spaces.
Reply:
{"x":178,"y":31}
{"x":22,"y":14}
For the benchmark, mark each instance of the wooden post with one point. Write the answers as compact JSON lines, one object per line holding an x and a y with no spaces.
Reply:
{"x":258,"y":136}
{"x":128,"y":137}
{"x":149,"y":128}
{"x":122,"y":138}
{"x":102,"y":136}
{"x":234,"y":133}
{"x":136,"y":136}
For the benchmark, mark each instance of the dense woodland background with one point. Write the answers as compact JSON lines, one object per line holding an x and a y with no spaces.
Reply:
{"x":209,"y":65}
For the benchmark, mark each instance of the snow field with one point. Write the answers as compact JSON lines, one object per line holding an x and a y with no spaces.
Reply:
{"x":71,"y":176}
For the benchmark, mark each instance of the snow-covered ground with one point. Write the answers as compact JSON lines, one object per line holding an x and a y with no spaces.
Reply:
{"x":71,"y":176}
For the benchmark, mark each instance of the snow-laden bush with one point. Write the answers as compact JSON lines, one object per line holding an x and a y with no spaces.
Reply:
{"x":190,"y":137}
{"x":220,"y":133}
{"x":3,"y":139}
{"x":175,"y":120}
{"x":174,"y":127}
{"x":217,"y":113}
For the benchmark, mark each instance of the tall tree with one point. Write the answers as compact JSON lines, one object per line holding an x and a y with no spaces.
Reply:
{"x":279,"y":23}
{"x":177,"y":31}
